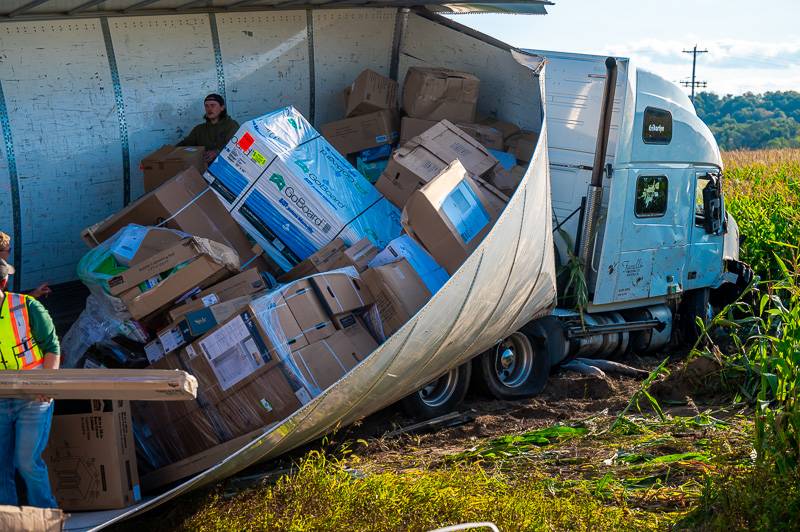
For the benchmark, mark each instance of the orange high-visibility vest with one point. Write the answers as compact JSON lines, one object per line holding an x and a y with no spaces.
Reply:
{"x":18,"y":349}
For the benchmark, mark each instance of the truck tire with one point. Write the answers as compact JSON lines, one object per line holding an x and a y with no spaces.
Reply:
{"x":515,"y":368}
{"x":695,"y":304}
{"x":440,"y":396}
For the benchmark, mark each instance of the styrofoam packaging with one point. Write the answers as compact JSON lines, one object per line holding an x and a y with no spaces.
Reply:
{"x":405,"y":247}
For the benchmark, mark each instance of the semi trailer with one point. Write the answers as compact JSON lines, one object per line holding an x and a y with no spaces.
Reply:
{"x":623,"y":192}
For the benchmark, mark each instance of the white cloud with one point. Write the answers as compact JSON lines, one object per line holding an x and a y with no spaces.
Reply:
{"x":730,"y":66}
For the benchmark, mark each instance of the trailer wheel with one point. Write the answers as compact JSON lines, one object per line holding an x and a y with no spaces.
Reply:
{"x":440,"y":396}
{"x":515,"y":368}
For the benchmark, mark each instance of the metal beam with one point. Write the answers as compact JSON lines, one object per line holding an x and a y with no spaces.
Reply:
{"x":27,"y":7}
{"x":241,"y":3}
{"x":139,"y":5}
{"x":192,"y":4}
{"x":84,"y":6}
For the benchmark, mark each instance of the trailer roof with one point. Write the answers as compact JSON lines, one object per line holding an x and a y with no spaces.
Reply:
{"x":12,"y":10}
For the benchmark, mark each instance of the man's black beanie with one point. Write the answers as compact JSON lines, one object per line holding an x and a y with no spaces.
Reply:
{"x":216,"y":98}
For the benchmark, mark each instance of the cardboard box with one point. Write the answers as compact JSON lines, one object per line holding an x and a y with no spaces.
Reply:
{"x":168,"y":161}
{"x":398,"y":291}
{"x":318,"y":262}
{"x":185,"y":203}
{"x":236,"y":351}
{"x":405,"y":247}
{"x":28,"y":518}
{"x":91,"y":459}
{"x":151,"y":267}
{"x":370,"y":92}
{"x":506,"y":128}
{"x":325,"y":362}
{"x":122,"y":384}
{"x":242,"y":284}
{"x":358,"y":133}
{"x":135,"y":243}
{"x":272,"y":396}
{"x":487,"y":135}
{"x":196,"y":323}
{"x":294,"y":192}
{"x":358,"y":255}
{"x":426,"y":156}
{"x":440,"y":94}
{"x":522,"y":145}
{"x":450,"y":216}
{"x":339,"y":293}
{"x":507,"y":181}
{"x":201,"y":272}
{"x":307,"y":310}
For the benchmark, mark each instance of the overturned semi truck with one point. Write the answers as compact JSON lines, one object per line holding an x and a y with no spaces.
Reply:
{"x":624,"y":178}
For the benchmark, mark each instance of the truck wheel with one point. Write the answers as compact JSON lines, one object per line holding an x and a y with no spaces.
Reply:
{"x":695,"y":305}
{"x":440,"y":396}
{"x":515,"y":368}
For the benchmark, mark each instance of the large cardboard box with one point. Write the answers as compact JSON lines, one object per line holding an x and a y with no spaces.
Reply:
{"x":196,"y":323}
{"x":405,"y":247}
{"x":398,"y":291}
{"x":91,"y":459}
{"x":272,"y":396}
{"x":307,"y":310}
{"x":450,"y":216}
{"x":168,"y":161}
{"x":361,"y":132}
{"x":358,"y":255}
{"x":506,"y":128}
{"x":183,"y":250}
{"x":320,"y":261}
{"x":236,"y":351}
{"x":210,"y":265}
{"x":135,"y":243}
{"x":242,"y":284}
{"x":339,"y":293}
{"x":30,"y":518}
{"x":426,"y":156}
{"x":487,"y":135}
{"x":370,"y":92}
{"x":522,"y":145}
{"x":294,"y":192}
{"x":186,"y":203}
{"x":440,"y":94}
{"x":325,"y":362}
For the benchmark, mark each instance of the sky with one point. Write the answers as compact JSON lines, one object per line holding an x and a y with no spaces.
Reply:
{"x":752,"y":46}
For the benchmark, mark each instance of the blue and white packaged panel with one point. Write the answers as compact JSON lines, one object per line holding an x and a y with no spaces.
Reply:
{"x":294,"y":193}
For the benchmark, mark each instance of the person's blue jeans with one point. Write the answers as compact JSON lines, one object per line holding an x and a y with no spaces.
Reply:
{"x":24,"y":430}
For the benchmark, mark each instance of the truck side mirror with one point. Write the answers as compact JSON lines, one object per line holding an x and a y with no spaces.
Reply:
{"x":712,"y":204}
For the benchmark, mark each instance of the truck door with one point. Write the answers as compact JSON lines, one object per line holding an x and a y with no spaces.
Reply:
{"x":653,"y":227}
{"x":705,"y":258}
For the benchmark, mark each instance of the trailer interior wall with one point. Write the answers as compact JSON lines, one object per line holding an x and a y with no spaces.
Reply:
{"x":83,"y":101}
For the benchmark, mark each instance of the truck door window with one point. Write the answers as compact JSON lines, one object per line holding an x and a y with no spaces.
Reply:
{"x":708,"y":204}
{"x":657,"y":126}
{"x":699,"y":204}
{"x":651,"y":196}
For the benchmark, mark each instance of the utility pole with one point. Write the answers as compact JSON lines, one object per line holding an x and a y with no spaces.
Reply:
{"x":694,"y":83}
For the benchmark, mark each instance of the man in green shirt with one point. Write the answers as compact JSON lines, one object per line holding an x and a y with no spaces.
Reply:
{"x":28,"y":342}
{"x":216,"y":131}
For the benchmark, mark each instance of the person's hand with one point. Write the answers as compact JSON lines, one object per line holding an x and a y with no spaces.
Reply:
{"x":43,"y":290}
{"x":210,"y":155}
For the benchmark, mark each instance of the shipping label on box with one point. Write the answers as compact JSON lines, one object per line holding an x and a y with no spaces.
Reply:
{"x":235,"y":350}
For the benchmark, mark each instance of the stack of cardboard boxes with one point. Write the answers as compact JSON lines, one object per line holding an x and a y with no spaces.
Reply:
{"x":192,"y":261}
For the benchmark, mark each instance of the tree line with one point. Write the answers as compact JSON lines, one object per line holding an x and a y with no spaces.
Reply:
{"x":752,"y":121}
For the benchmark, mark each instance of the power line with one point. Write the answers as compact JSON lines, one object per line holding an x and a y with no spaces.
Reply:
{"x":694,"y":83}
